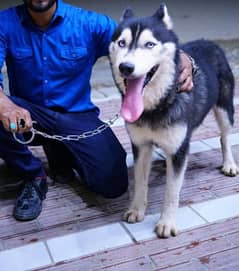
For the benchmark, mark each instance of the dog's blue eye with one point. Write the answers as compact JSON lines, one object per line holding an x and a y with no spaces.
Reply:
{"x":121,"y":43}
{"x":150,"y":44}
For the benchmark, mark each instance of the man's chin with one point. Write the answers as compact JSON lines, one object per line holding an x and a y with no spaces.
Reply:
{"x":39,"y":7}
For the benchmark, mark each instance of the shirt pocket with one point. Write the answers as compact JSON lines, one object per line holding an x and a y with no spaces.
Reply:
{"x":22,"y":53}
{"x":74,"y":59}
{"x":22,"y":60}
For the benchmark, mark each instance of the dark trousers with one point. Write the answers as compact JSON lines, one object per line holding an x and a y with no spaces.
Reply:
{"x":100,"y":160}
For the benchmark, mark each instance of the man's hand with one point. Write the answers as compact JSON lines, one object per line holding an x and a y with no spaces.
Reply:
{"x":13,"y":117}
{"x":186,"y":75}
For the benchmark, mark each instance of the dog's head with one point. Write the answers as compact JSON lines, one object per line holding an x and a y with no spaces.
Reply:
{"x":142,"y":55}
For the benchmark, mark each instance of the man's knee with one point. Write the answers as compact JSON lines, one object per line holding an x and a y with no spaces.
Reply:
{"x":112,"y":187}
{"x":110,"y":183}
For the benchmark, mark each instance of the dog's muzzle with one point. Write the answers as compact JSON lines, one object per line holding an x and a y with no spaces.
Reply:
{"x":126,"y":69}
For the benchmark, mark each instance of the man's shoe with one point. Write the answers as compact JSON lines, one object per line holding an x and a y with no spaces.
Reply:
{"x":28,"y":205}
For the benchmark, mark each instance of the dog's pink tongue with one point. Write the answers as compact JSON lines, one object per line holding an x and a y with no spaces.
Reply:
{"x":132,"y":105}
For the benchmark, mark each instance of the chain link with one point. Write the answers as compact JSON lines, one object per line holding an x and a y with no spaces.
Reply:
{"x":84,"y":135}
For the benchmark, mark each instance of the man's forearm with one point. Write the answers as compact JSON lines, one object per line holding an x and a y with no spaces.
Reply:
{"x":3,"y":97}
{"x":1,"y":92}
{"x":5,"y":102}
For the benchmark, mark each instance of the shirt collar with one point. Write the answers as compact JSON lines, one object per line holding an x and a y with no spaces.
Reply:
{"x":60,"y":10}
{"x":59,"y":13}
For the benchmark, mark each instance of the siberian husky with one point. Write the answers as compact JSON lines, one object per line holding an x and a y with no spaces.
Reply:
{"x":144,"y":56}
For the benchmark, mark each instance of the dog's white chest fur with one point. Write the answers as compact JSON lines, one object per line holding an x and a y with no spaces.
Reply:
{"x":169,"y":138}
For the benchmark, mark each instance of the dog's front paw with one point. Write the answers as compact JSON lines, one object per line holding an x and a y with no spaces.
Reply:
{"x":230,"y":170}
{"x":134,"y":215}
{"x":166,"y":228}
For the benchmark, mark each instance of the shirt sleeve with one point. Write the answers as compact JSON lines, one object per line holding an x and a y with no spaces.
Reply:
{"x":103,"y":30}
{"x":3,"y":50}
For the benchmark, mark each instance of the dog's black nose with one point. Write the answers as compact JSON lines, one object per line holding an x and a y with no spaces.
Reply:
{"x":126,"y":68}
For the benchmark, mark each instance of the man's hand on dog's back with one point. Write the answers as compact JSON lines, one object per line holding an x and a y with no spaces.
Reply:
{"x":186,"y":75}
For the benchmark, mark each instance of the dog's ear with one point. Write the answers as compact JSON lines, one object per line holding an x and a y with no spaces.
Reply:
{"x":162,"y":14}
{"x":127,"y":14}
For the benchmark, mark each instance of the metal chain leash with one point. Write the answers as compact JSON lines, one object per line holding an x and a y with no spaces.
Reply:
{"x":84,"y":135}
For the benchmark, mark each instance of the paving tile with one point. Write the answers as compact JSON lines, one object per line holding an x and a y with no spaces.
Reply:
{"x":160,"y":152}
{"x":156,"y":155}
{"x":1,"y":245}
{"x":118,"y":122}
{"x":234,"y":139}
{"x":97,"y":96}
{"x":215,"y":141}
{"x":221,"y":186}
{"x":198,"y":146}
{"x":130,"y":160}
{"x":88,"y":242}
{"x":209,"y":128}
{"x":198,"y":250}
{"x":57,"y":215}
{"x":110,"y":91}
{"x":10,"y":227}
{"x":192,"y":265}
{"x":186,"y":219}
{"x":222,"y":261}
{"x":107,"y":98}
{"x":24,"y":258}
{"x":42,"y":234}
{"x":218,"y":209}
{"x":236,"y":101}
{"x":234,"y":237}
{"x":81,"y":264}
{"x":142,"y":264}
{"x":108,"y":107}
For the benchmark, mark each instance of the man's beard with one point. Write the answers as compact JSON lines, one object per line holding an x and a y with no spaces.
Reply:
{"x":39,"y":6}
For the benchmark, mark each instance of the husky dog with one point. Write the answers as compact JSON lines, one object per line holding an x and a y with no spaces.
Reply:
{"x":144,"y":56}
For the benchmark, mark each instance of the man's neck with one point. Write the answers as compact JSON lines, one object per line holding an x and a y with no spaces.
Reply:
{"x":42,"y":19}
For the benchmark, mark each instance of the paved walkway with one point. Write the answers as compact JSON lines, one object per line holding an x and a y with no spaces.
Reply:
{"x":79,"y":230}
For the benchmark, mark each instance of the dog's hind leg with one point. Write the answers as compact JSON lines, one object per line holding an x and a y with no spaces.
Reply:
{"x":224,"y":120}
{"x":176,"y":166}
{"x":143,"y":156}
{"x":224,"y":112}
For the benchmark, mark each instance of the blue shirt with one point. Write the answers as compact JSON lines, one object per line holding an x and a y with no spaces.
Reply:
{"x":52,"y":67}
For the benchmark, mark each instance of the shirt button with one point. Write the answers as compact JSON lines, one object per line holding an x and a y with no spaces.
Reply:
{"x":45,"y":81}
{"x":44,"y":58}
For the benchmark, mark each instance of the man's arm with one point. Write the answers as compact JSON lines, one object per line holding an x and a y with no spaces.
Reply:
{"x":187,"y":71}
{"x":103,"y":28}
{"x":9,"y":111}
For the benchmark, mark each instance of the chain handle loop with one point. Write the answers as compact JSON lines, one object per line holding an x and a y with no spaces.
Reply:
{"x":26,"y":141}
{"x":84,"y":135}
